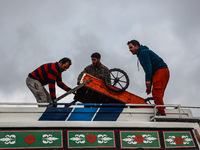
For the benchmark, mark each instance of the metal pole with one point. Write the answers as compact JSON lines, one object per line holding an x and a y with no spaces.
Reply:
{"x":72,"y":90}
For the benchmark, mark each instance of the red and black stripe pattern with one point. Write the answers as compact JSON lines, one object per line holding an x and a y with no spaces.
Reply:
{"x":49,"y":74}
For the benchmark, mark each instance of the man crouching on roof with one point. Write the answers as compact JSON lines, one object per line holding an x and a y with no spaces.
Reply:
{"x":96,"y":69}
{"x":48,"y":74}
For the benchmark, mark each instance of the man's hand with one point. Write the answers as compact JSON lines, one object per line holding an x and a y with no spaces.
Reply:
{"x":148,"y":87}
{"x":54,"y":105}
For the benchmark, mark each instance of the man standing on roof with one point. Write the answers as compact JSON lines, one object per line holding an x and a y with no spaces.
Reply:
{"x":96,"y":69}
{"x":156,"y":72}
{"x":48,"y":74}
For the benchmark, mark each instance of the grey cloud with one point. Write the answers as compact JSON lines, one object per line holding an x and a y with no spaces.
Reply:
{"x":37,"y":32}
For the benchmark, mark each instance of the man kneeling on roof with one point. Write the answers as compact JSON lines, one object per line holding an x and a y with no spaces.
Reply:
{"x":96,"y":69}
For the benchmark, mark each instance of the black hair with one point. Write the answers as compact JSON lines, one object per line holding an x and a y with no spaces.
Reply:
{"x":96,"y":55}
{"x":134,"y":42}
{"x":65,"y":59}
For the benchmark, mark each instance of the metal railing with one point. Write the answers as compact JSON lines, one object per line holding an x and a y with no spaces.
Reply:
{"x":180,"y":114}
{"x":130,"y":106}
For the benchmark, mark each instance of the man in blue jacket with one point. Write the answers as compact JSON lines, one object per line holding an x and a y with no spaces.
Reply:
{"x":156,"y":72}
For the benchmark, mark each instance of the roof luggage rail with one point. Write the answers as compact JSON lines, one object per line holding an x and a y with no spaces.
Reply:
{"x":179,"y":116}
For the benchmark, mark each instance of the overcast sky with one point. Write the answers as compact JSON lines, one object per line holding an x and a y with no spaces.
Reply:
{"x":34,"y":32}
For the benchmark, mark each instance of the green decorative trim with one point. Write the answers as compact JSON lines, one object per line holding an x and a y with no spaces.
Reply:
{"x":91,"y":139}
{"x":31,"y":139}
{"x":135,"y":139}
{"x":178,"y":139}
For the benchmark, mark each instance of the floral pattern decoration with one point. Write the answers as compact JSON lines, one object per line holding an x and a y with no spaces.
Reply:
{"x":29,"y":139}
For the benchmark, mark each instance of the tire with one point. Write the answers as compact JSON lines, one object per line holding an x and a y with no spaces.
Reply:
{"x":116,"y":80}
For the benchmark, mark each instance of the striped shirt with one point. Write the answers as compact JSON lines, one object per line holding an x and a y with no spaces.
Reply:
{"x":49,"y":74}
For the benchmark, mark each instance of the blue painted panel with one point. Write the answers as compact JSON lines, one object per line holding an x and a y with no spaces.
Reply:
{"x":108,"y":114}
{"x":82,"y":114}
{"x":55,"y":114}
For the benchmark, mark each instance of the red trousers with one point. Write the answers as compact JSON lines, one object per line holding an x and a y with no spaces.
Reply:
{"x":160,"y":80}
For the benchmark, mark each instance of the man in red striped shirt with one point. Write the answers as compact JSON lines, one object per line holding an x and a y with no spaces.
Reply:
{"x":48,"y":74}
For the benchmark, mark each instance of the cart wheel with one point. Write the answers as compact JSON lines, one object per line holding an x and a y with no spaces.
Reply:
{"x":116,"y":80}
